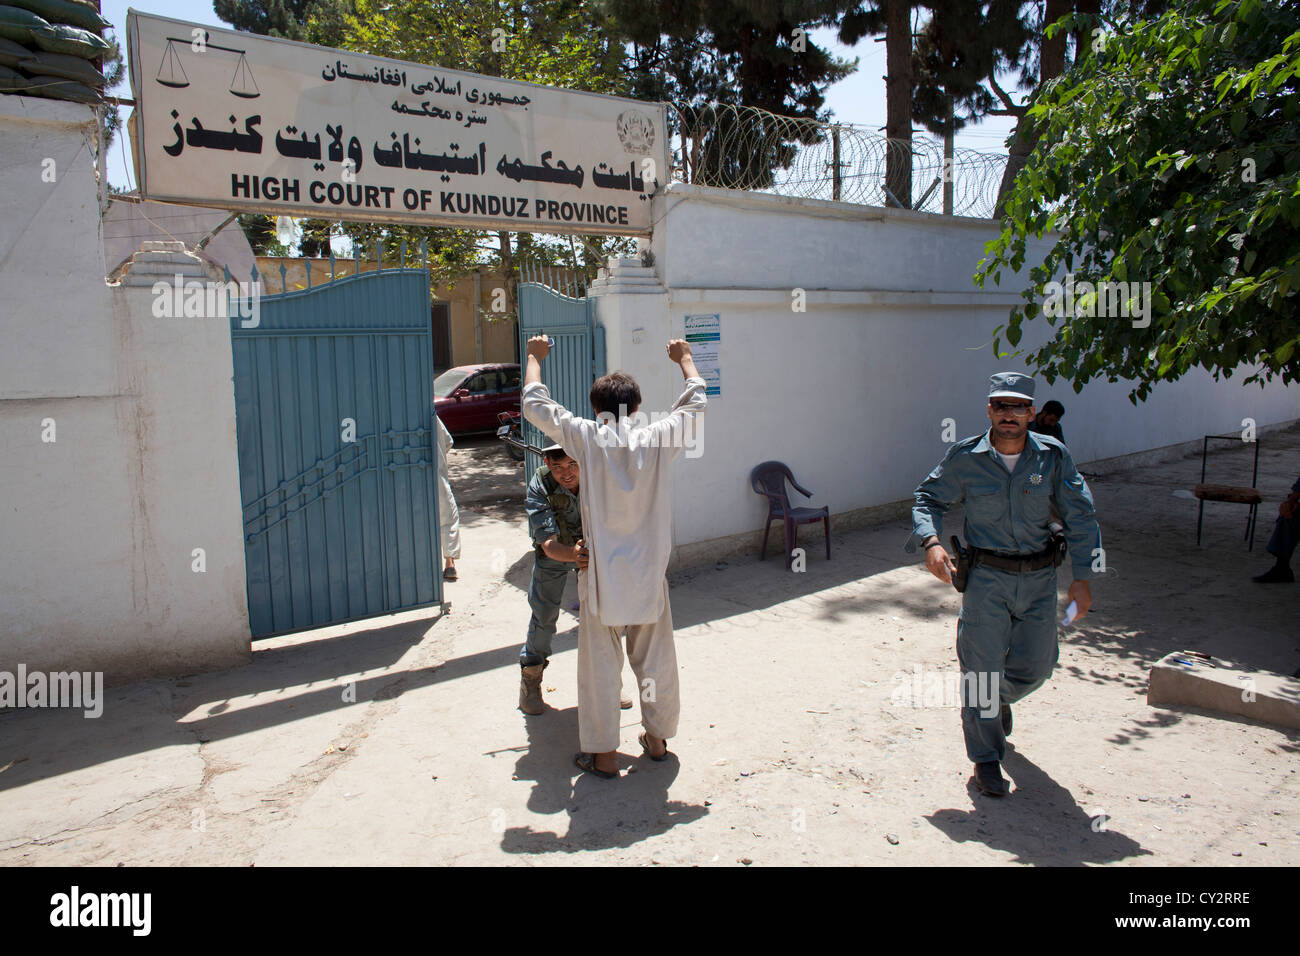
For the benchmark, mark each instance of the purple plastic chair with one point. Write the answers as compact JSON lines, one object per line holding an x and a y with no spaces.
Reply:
{"x":768,"y":479}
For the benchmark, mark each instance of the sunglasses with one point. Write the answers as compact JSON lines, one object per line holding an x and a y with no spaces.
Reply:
{"x":1020,"y":411}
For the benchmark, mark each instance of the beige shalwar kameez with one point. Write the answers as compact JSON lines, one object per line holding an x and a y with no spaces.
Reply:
{"x":627,"y":523}
{"x":448,"y":513}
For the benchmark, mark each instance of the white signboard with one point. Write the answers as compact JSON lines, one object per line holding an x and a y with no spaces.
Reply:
{"x":704,"y":333}
{"x":240,"y":121}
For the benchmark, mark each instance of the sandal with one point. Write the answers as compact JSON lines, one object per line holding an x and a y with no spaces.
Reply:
{"x":645,"y":746}
{"x":587,"y":762}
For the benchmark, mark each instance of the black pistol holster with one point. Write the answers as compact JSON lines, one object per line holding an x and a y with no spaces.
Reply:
{"x":1058,"y":545}
{"x":962,"y":573}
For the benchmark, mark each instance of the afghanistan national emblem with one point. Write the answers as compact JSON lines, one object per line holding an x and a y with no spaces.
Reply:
{"x":636,"y":132}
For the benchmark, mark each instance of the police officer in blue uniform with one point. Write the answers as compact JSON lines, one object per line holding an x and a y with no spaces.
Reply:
{"x":555,"y":525}
{"x":1026,"y":506}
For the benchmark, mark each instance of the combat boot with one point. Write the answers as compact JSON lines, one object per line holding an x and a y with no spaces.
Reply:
{"x":530,"y":690}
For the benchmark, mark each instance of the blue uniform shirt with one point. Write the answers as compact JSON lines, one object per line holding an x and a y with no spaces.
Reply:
{"x":1009,"y":512}
{"x":541,"y":519}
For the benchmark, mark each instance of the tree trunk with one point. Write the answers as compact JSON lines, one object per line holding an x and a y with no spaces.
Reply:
{"x":1083,"y":37}
{"x":898,"y":100}
{"x":1051,"y":62}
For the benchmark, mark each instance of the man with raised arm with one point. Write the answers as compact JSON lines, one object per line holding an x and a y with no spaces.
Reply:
{"x":626,"y":507}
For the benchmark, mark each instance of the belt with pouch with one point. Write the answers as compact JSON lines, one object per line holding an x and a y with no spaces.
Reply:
{"x":1052,"y":556}
{"x":1015,"y":563}
{"x":972,"y":557}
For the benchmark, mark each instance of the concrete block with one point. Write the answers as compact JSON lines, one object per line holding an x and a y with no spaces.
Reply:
{"x":1259,"y":695}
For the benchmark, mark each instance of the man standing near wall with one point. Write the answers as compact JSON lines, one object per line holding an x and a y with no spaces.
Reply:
{"x":1048,"y":421}
{"x":1010,"y":480}
{"x":626,"y":520}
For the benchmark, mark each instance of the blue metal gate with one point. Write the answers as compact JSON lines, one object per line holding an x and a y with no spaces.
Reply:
{"x":337,"y":463}
{"x":577,"y":359}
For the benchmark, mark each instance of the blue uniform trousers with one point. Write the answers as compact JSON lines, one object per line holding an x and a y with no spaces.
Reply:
{"x":545,"y":592}
{"x":1286,"y":532}
{"x":1006,"y":639}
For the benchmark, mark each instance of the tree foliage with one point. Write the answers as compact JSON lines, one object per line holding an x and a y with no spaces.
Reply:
{"x":696,"y":53}
{"x":277,"y":18}
{"x":1171,"y":157}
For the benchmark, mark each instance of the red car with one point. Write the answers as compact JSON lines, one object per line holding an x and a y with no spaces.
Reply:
{"x":467,"y":398}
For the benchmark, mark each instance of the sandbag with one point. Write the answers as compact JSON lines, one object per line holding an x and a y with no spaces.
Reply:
{"x":70,"y":40}
{"x":19,"y":25}
{"x":11,"y":81}
{"x":63,"y":11}
{"x":57,"y":88}
{"x":11,"y":53}
{"x":60,"y":64}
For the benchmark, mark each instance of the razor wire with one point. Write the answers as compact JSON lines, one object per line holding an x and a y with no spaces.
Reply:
{"x":747,"y":148}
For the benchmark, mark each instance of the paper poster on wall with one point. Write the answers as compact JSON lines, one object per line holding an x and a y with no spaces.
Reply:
{"x":704,"y":333}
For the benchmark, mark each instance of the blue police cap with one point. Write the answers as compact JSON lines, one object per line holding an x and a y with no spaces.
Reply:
{"x":1011,"y":385}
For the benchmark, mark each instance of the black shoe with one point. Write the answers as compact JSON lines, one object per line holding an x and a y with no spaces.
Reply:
{"x":1277,"y":574}
{"x":988,"y":777}
{"x":1006,"y":720}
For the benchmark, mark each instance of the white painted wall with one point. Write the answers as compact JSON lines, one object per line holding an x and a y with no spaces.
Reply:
{"x":98,"y":527}
{"x":852,"y":393}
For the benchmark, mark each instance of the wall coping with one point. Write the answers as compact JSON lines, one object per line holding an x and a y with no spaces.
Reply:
{"x":35,"y":109}
{"x":845,"y":299}
{"x":823,"y":208}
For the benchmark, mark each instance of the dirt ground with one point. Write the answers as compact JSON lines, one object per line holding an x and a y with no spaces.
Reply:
{"x":397,"y":741}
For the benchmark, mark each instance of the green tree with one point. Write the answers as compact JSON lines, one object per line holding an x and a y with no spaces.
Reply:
{"x":112,"y":66}
{"x":696,"y":53}
{"x":1170,"y":156}
{"x":1048,"y":55}
{"x":277,"y":18}
{"x":962,"y":47}
{"x":893,"y":18}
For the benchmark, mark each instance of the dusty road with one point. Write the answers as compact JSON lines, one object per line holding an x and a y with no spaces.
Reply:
{"x":397,"y":741}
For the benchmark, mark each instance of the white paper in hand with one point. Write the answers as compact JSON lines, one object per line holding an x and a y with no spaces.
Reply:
{"x":1071,"y":613}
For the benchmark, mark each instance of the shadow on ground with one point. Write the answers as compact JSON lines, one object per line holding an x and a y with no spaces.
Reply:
{"x":1039,"y":823}
{"x":602,"y":814}
{"x":37,"y":744}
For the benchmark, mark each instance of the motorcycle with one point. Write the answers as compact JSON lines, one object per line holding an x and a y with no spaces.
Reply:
{"x":511,"y":432}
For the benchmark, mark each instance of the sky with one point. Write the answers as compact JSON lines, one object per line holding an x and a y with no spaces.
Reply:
{"x":859,"y":99}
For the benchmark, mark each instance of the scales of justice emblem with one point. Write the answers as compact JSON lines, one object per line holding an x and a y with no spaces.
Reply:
{"x":172,"y":73}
